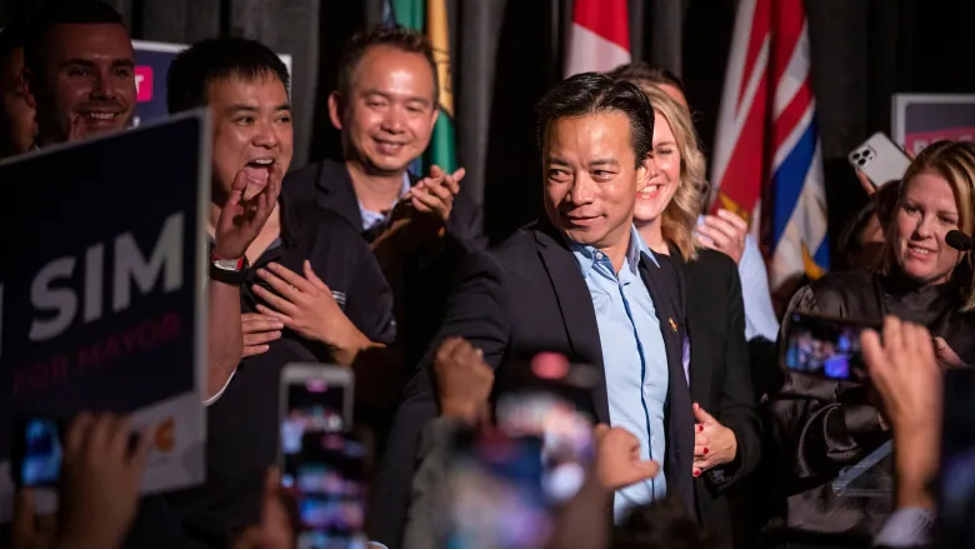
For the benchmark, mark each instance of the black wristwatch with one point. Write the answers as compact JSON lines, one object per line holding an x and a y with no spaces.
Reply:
{"x":231,"y":272}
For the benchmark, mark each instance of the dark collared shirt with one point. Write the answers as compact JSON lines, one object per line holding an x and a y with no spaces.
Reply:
{"x":242,"y":425}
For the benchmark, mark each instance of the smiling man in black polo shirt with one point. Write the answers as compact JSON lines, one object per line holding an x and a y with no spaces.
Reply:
{"x":314,"y":291}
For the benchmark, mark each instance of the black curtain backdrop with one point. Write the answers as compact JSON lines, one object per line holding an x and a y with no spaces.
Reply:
{"x":505,"y":53}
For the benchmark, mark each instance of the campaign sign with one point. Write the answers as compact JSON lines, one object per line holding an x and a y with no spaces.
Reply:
{"x":921,"y":119}
{"x":152,"y":64}
{"x":102,"y":288}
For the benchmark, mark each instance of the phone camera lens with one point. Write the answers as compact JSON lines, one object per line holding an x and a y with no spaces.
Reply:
{"x":861,"y":162}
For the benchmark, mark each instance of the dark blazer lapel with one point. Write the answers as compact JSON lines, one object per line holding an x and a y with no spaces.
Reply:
{"x":576,"y":307}
{"x":680,"y":436}
{"x":700,"y":375}
{"x":669,"y":319}
{"x":336,"y":193}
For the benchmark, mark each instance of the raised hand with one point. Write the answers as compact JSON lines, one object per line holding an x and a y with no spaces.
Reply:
{"x":464,"y":381}
{"x":436,"y":193}
{"x":715,"y":444}
{"x":307,"y":306}
{"x":905,"y":374}
{"x":619,"y":462}
{"x":725,"y":233}
{"x":101,"y":475}
{"x":908,"y":380}
{"x":241,"y":220}
{"x":274,"y":528}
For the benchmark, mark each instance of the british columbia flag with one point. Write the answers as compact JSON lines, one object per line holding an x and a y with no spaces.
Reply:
{"x":767,"y":155}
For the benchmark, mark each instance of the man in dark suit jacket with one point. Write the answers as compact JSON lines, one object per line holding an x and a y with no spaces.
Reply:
{"x":574,"y":283}
{"x":386,"y":104}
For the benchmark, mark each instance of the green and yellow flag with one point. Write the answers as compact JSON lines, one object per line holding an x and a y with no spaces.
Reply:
{"x":411,"y":14}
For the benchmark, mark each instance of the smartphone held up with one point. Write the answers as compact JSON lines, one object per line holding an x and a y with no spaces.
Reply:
{"x":824,"y":347}
{"x":323,"y":463}
{"x":880,"y":159}
{"x":506,"y":483}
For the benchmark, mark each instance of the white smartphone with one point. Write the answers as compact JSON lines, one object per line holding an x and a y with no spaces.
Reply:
{"x":880,"y":159}
{"x":322,"y":464}
{"x":313,"y":398}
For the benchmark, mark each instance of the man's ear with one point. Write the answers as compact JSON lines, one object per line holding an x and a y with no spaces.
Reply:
{"x":29,"y":84}
{"x":336,"y":110}
{"x":435,"y":113}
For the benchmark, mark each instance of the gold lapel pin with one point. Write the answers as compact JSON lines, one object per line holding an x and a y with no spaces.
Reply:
{"x":674,"y":326}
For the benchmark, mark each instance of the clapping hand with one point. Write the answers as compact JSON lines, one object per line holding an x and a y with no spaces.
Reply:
{"x":436,"y":193}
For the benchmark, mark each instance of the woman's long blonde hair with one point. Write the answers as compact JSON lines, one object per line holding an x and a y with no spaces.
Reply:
{"x":954,"y":162}
{"x":679,"y":217}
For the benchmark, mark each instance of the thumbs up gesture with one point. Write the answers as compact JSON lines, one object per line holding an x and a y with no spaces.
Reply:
{"x":715,"y":444}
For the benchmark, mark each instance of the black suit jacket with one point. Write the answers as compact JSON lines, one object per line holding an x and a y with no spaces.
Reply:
{"x":523,"y":296}
{"x":720,"y":377}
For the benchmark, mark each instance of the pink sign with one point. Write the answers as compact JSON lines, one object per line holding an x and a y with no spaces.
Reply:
{"x":144,"y":84}
{"x":917,"y":141}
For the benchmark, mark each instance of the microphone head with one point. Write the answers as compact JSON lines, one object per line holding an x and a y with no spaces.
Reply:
{"x":959,"y":240}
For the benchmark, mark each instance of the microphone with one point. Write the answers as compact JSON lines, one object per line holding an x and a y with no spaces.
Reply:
{"x":959,"y":240}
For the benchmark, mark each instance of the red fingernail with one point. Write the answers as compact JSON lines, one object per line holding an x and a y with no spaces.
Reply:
{"x":705,"y":450}
{"x":696,"y":473}
{"x":701,"y":427}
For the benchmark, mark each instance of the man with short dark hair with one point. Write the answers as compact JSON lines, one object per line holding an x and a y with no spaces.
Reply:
{"x":315,"y":293}
{"x":578,"y":283}
{"x":386,"y":105}
{"x":79,"y":70}
{"x":17,"y":126}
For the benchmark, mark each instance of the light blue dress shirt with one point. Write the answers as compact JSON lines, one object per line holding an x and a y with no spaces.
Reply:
{"x":372,"y":218}
{"x":757,"y":305}
{"x":635,"y":363}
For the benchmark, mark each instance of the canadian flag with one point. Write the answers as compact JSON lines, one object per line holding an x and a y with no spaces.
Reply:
{"x":599,"y":37}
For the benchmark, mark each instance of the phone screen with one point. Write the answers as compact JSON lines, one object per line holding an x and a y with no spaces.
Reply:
{"x":552,"y":399}
{"x":566,"y":433}
{"x":38,"y":451}
{"x":311,"y":406}
{"x":823,"y":347}
{"x":326,"y":476}
{"x":495,"y":494}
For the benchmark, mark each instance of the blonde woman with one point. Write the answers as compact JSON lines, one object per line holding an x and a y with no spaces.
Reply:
{"x":727,"y":430}
{"x":821,"y":427}
{"x":723,"y":231}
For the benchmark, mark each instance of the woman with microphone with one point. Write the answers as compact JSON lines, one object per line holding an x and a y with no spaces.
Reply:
{"x":819,"y":426}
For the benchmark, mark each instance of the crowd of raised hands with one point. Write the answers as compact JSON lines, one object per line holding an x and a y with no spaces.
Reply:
{"x":101,"y":473}
{"x":104,"y":456}
{"x":99,"y":493}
